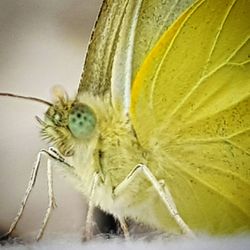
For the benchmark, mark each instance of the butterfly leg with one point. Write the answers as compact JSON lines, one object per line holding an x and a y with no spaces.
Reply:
{"x":88,"y":231}
{"x":161,"y":189}
{"x":52,"y":203}
{"x":51,"y":153}
{"x":124,"y":227}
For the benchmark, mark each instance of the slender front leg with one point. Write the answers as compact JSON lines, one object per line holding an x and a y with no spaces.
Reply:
{"x":52,"y":154}
{"x":88,"y":232}
{"x":52,"y":201}
{"x":160,"y":188}
{"x":31,"y":184}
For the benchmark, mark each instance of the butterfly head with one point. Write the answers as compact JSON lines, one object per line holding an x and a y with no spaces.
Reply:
{"x":68,"y":123}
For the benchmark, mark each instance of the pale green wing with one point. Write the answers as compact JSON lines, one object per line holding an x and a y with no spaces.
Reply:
{"x":126,"y":30}
{"x":191,"y":109}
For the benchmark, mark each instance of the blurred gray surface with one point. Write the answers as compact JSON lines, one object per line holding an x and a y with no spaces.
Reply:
{"x":42,"y":43}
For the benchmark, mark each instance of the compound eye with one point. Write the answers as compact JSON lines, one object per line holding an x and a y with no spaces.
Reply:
{"x":82,"y":121}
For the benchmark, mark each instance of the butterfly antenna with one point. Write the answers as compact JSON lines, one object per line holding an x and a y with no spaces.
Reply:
{"x":27,"y":98}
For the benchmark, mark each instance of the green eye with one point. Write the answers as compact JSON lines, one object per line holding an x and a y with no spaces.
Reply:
{"x":82,"y":121}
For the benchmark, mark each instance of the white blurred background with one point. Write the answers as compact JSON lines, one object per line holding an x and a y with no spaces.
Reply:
{"x":42,"y":43}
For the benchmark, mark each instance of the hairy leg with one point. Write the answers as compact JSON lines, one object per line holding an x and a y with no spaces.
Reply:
{"x":160,"y":188}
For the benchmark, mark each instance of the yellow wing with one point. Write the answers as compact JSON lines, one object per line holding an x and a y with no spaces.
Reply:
{"x":191,"y":108}
{"x":126,"y":30}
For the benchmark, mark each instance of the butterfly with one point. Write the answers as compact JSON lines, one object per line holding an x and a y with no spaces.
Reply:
{"x":159,"y":130}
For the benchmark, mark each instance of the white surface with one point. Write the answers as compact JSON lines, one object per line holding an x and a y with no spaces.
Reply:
{"x":42,"y":44}
{"x":201,"y":243}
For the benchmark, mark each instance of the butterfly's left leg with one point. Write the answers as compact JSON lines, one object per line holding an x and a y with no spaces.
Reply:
{"x":51,"y":200}
{"x":162,"y":190}
{"x":51,"y":154}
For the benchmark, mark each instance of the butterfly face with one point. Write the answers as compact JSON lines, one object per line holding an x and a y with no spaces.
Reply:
{"x":55,"y":127}
{"x":68,"y":123}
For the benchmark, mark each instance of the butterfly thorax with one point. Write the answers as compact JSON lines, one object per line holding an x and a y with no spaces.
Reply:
{"x":105,"y":150}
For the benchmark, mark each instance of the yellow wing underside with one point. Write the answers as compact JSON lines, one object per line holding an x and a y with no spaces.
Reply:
{"x":124,"y":34}
{"x":191,"y":108}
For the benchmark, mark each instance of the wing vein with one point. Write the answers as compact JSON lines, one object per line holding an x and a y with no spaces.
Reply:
{"x":201,"y":80}
{"x":196,"y":199}
{"x":175,"y":162}
{"x":244,"y":98}
{"x":156,"y":75}
{"x":214,"y":140}
{"x":218,"y":35}
{"x":243,"y":63}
